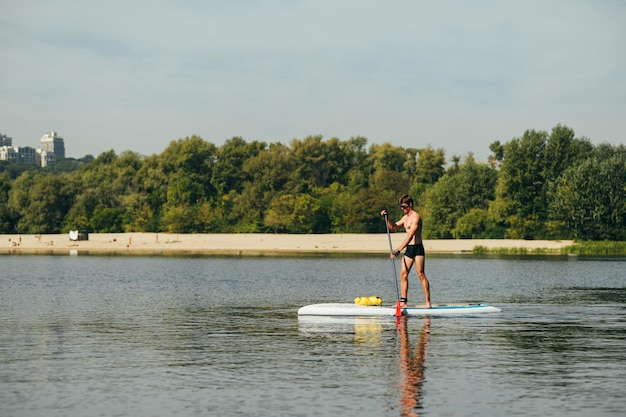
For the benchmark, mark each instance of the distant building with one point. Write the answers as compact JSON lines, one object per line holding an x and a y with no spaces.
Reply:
{"x":45,"y":158}
{"x":26,"y":154}
{"x":5,"y":140}
{"x":51,"y":150}
{"x":50,"y":142}
{"x":8,"y":153}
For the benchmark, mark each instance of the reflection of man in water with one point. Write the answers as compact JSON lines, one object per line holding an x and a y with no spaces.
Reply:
{"x":411,"y":368}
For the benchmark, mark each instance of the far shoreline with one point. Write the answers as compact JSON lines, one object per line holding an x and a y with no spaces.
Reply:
{"x":256,"y":244}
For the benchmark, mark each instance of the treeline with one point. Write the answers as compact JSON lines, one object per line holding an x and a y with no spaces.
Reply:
{"x":542,"y":185}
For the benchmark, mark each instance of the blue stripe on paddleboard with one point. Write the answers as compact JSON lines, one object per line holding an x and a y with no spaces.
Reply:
{"x":447,"y":307}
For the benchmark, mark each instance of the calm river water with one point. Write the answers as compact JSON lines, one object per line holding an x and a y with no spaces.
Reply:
{"x":206,"y":336}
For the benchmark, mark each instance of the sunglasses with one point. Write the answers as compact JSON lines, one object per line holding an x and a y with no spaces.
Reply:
{"x":403,"y":206}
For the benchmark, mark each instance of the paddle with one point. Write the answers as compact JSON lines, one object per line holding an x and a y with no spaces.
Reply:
{"x":393,"y":264}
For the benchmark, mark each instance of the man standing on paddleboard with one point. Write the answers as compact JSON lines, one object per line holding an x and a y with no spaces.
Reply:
{"x":414,"y":254}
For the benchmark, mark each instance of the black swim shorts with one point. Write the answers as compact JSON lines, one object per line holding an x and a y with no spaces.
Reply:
{"x":414,"y":250}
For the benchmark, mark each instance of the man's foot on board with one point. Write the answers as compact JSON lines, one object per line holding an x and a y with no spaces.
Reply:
{"x":403,"y":302}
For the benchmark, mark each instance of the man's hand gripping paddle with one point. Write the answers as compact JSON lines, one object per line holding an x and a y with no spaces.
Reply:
{"x":393,"y":264}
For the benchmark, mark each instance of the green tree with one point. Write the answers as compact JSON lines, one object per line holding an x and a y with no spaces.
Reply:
{"x":520,"y":193}
{"x":325,"y":200}
{"x":497,"y":155}
{"x":108,"y":219}
{"x":390,"y":176}
{"x":40,"y":202}
{"x":530,"y":167}
{"x":441,"y":208}
{"x":230,"y":159}
{"x":290,"y":213}
{"x":191,"y":157}
{"x":465,"y":187}
{"x":472,"y":225}
{"x":179,"y":219}
{"x":188,"y":166}
{"x":15,"y":169}
{"x":590,"y":199}
{"x":106,"y":194}
{"x":7,"y":222}
{"x":19,"y":200}
{"x":430,"y":165}
{"x":267,"y":175}
{"x":152,"y":188}
{"x":247,"y":210}
{"x":209,"y":219}
{"x":311,"y":167}
{"x":269,"y":171}
{"x":360,"y":168}
{"x":360,"y":212}
{"x":563,"y":150}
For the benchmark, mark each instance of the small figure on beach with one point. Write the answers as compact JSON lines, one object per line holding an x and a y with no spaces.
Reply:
{"x":414,"y":254}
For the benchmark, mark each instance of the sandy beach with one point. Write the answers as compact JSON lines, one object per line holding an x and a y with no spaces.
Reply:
{"x":245,"y":244}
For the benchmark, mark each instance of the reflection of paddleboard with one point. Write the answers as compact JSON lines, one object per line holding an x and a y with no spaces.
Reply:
{"x":346,"y":309}
{"x":359,"y":325}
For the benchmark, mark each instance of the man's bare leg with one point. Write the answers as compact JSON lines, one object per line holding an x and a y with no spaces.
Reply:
{"x":404,"y":286}
{"x":407,"y":264}
{"x":421,"y":274}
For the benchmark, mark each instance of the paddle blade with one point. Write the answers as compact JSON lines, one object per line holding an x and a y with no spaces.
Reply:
{"x":398,"y":309}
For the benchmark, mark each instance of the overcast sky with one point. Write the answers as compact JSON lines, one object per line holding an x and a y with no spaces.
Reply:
{"x":458,"y":75}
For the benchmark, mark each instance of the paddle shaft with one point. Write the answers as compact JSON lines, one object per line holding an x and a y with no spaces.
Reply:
{"x":393,"y":262}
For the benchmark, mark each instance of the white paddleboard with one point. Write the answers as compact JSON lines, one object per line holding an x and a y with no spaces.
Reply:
{"x":347,"y":309}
